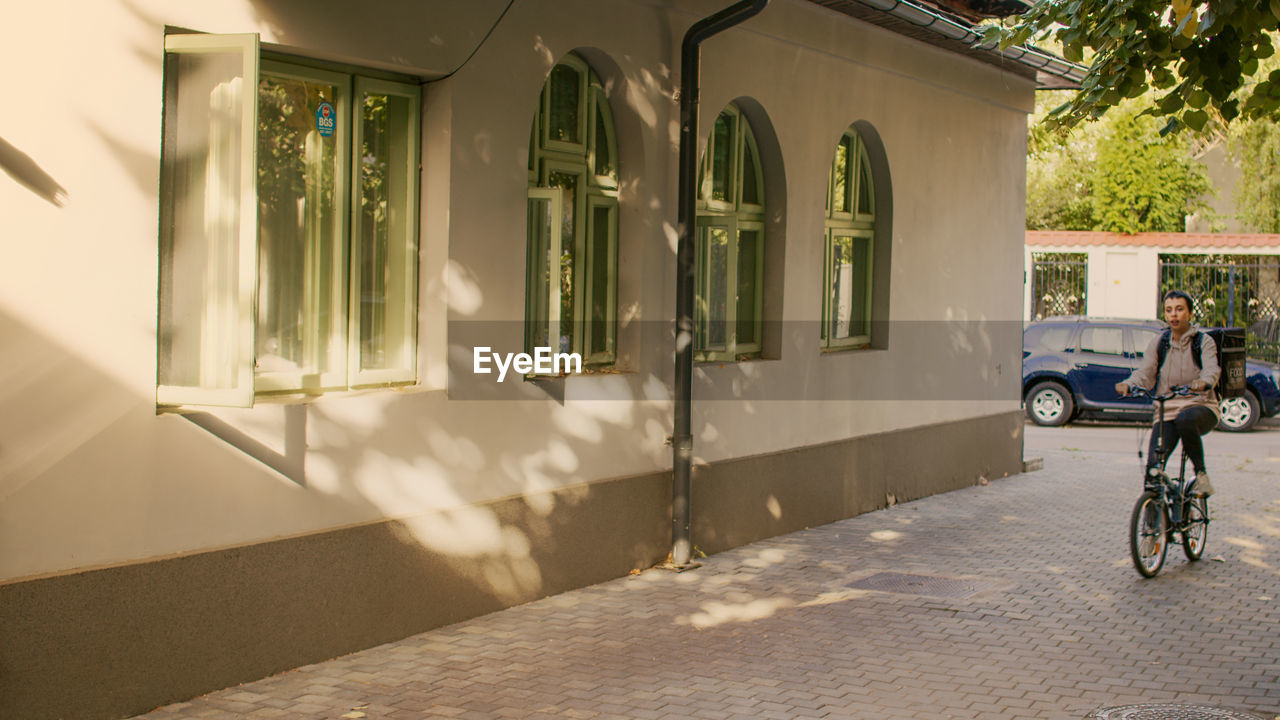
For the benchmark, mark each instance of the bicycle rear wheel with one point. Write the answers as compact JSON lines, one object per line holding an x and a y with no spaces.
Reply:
{"x":1196,"y":531}
{"x":1148,"y":534}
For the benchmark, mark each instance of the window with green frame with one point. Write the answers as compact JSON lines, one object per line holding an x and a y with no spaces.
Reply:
{"x":288,"y":225}
{"x":572,"y":262}
{"x":849,"y":247}
{"x":730,"y":243}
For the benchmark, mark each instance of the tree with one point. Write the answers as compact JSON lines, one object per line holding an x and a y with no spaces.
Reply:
{"x":1200,"y":55}
{"x":1144,"y":182}
{"x":1255,"y":145}
{"x":1060,"y":170}
{"x":1117,"y":174}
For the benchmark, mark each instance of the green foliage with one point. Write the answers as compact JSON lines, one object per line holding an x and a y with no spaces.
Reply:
{"x":1059,"y":193}
{"x":1143,"y":182}
{"x":285,"y":120}
{"x":1200,"y":55}
{"x":1116,"y":174}
{"x":375,"y":161}
{"x":1255,"y":145}
{"x":1059,"y":170}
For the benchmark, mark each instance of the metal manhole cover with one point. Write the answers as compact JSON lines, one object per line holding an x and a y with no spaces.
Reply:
{"x":1167,"y":711}
{"x":921,"y":585}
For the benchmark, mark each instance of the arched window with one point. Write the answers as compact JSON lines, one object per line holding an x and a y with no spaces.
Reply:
{"x":571,"y":284}
{"x":730,"y":242}
{"x":850,"y":245}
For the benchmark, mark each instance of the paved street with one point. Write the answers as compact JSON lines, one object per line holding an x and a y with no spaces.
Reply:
{"x":1028,"y":608}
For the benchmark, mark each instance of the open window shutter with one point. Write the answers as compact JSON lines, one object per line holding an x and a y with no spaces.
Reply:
{"x":542,"y":315}
{"x":208,"y":221}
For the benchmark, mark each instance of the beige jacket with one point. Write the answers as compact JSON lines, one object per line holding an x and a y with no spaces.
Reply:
{"x":1180,"y":369}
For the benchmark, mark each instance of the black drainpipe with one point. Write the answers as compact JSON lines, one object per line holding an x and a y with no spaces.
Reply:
{"x":682,"y":439}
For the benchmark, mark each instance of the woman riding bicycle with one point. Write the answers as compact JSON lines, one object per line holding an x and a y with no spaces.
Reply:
{"x":1186,"y":418}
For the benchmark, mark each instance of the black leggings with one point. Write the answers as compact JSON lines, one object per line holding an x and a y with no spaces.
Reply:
{"x":1189,"y":425}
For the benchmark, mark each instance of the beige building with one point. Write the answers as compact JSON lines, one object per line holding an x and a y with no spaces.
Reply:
{"x":256,"y":251}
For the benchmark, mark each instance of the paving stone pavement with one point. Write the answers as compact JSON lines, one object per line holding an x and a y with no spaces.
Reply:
{"x":1054,"y":622}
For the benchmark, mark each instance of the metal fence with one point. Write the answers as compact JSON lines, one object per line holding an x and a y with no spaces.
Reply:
{"x":1231,"y":291}
{"x":1059,"y":282}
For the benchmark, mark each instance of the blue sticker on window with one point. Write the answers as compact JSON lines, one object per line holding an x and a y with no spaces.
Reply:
{"x":326,"y":119}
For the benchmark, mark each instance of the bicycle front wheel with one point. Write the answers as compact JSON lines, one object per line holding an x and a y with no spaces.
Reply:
{"x":1196,"y":531}
{"x":1148,"y":534}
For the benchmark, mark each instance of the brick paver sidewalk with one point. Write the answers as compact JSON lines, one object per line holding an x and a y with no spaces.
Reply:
{"x":1037,"y":613}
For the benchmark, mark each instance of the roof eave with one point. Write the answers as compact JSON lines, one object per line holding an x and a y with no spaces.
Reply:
{"x":953,"y":32}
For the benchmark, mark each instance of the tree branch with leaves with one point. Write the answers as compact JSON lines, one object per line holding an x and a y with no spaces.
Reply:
{"x":1201,"y":56}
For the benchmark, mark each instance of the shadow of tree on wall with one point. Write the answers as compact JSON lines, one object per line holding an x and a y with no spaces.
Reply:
{"x":109,"y":638}
{"x":23,"y":169}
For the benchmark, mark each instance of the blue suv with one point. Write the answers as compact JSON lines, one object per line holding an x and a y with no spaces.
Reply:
{"x":1071,"y":364}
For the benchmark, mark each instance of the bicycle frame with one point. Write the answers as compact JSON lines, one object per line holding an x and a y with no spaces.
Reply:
{"x":1165,"y":508}
{"x":1172,"y":493}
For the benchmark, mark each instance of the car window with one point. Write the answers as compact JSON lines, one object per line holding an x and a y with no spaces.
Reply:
{"x":1104,"y":340}
{"x":1142,"y":338}
{"x":1047,"y":337}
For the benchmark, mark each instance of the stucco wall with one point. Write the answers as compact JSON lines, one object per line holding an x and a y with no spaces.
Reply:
{"x":91,"y":476}
{"x":1123,"y":272}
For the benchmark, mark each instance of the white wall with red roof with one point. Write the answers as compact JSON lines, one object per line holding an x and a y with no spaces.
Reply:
{"x":1124,"y":270}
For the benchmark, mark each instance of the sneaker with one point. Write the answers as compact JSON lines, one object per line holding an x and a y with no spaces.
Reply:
{"x":1202,"y":486}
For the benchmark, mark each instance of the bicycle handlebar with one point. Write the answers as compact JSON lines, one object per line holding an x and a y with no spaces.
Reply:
{"x":1175,"y":391}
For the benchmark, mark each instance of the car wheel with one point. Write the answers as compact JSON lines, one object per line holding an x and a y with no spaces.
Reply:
{"x":1239,"y":414}
{"x":1049,"y":404}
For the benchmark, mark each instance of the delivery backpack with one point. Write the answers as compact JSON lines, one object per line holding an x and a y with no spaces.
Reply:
{"x":1231,"y":357}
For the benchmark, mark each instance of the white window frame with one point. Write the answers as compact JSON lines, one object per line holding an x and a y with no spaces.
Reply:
{"x":854,"y":224}
{"x":584,"y":81}
{"x":552,"y":291}
{"x":594,"y":190}
{"x":240,"y":316}
{"x":828,"y":301}
{"x":705,"y":352}
{"x":267,"y":381}
{"x":583,"y":309}
{"x":239,"y":362}
{"x":406,"y":369}
{"x":736,"y":215}
{"x":756,"y":346}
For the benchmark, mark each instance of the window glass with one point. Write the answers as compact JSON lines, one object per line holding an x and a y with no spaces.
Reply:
{"x":748,"y":292}
{"x":1048,"y":337}
{"x":603,"y":160}
{"x":299,"y":229}
{"x":1142,"y":339}
{"x":717,"y":287}
{"x":533,"y":143}
{"x":386,"y":259}
{"x":860,"y":281}
{"x":841,"y":193}
{"x":568,"y":186}
{"x":601,"y":289}
{"x":565,"y":99}
{"x":848,"y":272}
{"x":865,"y":206}
{"x":721,"y":154}
{"x":1102,"y":340}
{"x":541,"y":256}
{"x":750,"y":189}
{"x":200,"y":344}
